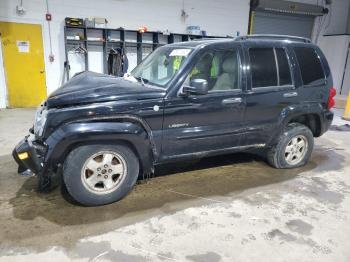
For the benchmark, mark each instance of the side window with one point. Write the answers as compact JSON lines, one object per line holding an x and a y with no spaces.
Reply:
{"x":220,"y":68}
{"x":283,"y":67}
{"x":310,"y":66}
{"x":263,"y":67}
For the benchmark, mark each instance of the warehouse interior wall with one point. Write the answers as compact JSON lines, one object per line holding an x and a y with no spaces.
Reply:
{"x":348,"y":26}
{"x":221,"y":17}
{"x":3,"y":91}
{"x":334,"y":40}
{"x":336,"y":21}
{"x":335,"y":49}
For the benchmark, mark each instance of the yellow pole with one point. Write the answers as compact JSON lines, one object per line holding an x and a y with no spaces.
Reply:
{"x":251,"y":22}
{"x":346,"y":115}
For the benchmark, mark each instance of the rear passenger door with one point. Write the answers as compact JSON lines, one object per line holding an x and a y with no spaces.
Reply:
{"x":270,"y":88}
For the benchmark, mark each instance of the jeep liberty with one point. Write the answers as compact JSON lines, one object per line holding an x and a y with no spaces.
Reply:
{"x":185,"y":100}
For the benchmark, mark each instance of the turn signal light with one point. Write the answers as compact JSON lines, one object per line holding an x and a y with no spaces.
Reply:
{"x":23,"y":155}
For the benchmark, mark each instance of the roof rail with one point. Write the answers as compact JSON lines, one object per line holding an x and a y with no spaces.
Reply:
{"x":281,"y":37}
{"x":213,"y":38}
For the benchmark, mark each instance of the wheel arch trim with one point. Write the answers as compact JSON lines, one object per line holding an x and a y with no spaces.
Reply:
{"x":105,"y":130}
{"x":293,"y":111}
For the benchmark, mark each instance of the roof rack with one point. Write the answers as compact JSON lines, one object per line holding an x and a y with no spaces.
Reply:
{"x":213,"y":38}
{"x":281,"y":37}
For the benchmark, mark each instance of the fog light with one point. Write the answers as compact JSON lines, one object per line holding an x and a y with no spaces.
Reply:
{"x":23,"y":155}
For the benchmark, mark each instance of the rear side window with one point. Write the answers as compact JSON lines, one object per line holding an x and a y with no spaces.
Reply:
{"x":263,"y":67}
{"x":310,"y":66}
{"x":269,"y":67}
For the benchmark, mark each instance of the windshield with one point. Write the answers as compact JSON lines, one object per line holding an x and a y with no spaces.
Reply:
{"x":160,"y":66}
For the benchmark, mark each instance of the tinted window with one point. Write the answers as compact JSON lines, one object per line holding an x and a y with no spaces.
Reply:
{"x":310,"y":65}
{"x":283,"y":67}
{"x":263,"y":67}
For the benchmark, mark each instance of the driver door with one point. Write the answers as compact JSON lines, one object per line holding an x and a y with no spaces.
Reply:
{"x":206,"y":124}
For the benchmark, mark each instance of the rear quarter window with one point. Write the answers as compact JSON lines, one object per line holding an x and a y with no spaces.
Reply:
{"x":310,"y":66}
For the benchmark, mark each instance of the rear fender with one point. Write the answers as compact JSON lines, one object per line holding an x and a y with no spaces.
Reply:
{"x":290,"y":112}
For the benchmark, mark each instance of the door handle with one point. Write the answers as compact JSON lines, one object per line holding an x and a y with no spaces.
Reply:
{"x":290,"y":94}
{"x":42,"y":71}
{"x":229,"y":101}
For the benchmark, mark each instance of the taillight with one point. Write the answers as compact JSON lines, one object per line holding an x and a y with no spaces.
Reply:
{"x":331,"y":102}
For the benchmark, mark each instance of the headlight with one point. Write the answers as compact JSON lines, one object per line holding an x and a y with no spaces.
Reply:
{"x":40,"y":120}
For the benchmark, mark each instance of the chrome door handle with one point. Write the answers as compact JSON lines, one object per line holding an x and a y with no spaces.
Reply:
{"x":291,"y":94}
{"x":235,"y":100}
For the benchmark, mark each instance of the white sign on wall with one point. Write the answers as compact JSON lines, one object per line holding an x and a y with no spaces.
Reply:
{"x":23,"y":46}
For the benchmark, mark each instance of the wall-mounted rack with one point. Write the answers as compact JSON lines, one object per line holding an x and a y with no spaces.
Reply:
{"x":137,"y":44}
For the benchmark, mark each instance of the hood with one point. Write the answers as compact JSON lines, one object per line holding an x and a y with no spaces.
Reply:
{"x":89,"y":87}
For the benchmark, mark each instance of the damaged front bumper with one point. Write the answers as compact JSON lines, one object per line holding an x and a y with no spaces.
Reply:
{"x":29,"y":155}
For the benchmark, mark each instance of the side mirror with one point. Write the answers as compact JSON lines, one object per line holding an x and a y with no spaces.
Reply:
{"x":197,"y":87}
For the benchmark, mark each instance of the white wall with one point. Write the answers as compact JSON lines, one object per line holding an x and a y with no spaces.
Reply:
{"x":337,"y":18}
{"x":339,"y":15}
{"x":336,"y":21}
{"x":3,"y":90}
{"x":335,"y":46}
{"x":220,"y":17}
{"x":335,"y":49}
{"x":348,"y":26}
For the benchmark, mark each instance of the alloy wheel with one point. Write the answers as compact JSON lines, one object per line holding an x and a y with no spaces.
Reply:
{"x":103,"y":172}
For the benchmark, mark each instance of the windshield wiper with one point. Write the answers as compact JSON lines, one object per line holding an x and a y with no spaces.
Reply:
{"x":140,"y":78}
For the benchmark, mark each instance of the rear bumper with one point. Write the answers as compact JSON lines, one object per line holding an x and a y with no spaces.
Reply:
{"x":327,"y":120}
{"x":29,"y":154}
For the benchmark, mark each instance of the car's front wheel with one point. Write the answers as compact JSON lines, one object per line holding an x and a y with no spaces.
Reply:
{"x":100,"y":174}
{"x":294,"y":147}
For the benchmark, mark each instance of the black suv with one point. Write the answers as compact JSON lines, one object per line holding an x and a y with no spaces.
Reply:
{"x":185,"y":100}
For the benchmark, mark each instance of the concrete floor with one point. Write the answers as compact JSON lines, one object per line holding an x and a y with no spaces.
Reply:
{"x":228,"y":208}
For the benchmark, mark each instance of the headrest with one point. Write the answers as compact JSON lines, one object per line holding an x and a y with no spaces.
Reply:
{"x":204,"y":63}
{"x":230,"y":65}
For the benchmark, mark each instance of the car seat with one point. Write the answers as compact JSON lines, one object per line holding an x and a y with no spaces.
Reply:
{"x":228,"y":78}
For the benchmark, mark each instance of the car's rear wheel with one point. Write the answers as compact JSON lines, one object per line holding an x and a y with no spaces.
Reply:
{"x":100,"y":174}
{"x":294,"y":147}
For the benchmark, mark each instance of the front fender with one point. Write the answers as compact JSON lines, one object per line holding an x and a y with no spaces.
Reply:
{"x":71,"y":135}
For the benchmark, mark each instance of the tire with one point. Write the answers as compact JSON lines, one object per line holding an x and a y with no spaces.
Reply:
{"x":91,"y":181}
{"x":284,"y":154}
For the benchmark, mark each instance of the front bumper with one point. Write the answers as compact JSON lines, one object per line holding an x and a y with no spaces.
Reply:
{"x":29,"y":154}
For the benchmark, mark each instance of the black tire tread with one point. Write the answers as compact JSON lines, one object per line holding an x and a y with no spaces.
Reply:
{"x":273,"y":154}
{"x":74,"y":186}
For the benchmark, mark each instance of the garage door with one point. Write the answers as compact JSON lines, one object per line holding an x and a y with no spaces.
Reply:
{"x":282,"y":24}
